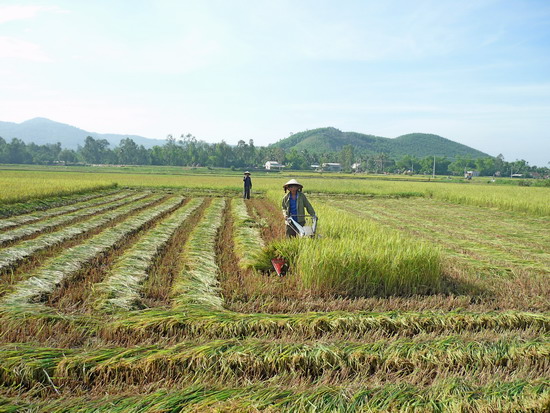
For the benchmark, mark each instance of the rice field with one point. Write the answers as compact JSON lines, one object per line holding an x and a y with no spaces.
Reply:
{"x":136,"y":297}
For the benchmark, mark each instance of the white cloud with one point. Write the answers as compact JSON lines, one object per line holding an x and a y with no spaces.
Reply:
{"x":13,"y":48}
{"x":11,"y":13}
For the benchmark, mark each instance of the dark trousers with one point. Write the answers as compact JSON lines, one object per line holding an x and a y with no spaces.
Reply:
{"x":291,"y":231}
{"x":246,"y":194}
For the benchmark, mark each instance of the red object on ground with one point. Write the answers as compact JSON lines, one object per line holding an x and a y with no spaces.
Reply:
{"x":278,"y":264}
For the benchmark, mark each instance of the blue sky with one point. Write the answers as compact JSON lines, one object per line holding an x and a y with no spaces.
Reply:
{"x":476,"y":72}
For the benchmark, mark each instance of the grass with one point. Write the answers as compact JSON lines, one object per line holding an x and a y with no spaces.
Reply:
{"x":73,"y":204}
{"x":170,"y":326}
{"x":241,"y":361}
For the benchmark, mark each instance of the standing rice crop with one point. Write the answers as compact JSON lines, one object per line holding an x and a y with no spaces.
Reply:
{"x":360,"y":258}
{"x":20,"y":186}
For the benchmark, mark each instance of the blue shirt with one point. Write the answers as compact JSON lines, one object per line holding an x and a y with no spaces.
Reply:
{"x":293,"y":208}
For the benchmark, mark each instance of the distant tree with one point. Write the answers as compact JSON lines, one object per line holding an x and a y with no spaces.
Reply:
{"x":156,"y":154}
{"x":44,"y":154}
{"x":96,"y":151}
{"x":380,"y":162}
{"x":408,"y":163}
{"x":346,"y":157}
{"x":460,"y":165}
{"x":67,"y":156}
{"x":518,"y":167}
{"x":16,"y":152}
{"x":3,"y":150}
{"x":172,"y":153}
{"x":500,"y":164}
{"x":129,"y":153}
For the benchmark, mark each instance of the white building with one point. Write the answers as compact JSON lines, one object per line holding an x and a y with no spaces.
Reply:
{"x":332,"y":166}
{"x":272,"y":165}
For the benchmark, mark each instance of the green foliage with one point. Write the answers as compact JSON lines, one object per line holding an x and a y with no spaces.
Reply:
{"x":298,"y":152}
{"x":415,"y":144}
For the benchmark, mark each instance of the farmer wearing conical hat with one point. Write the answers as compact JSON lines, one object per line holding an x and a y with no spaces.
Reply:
{"x":294,"y":205}
{"x":247,"y":185}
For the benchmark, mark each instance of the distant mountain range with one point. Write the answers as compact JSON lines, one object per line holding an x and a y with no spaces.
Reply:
{"x":414,"y":144}
{"x":42,"y":131}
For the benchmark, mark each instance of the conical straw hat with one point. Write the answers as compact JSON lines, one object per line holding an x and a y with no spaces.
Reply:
{"x":292,"y":182}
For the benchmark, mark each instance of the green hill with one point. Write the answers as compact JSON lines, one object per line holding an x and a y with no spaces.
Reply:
{"x":415,"y":144}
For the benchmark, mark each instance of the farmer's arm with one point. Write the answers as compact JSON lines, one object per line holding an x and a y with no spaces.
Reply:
{"x":308,"y":206}
{"x":284,"y":205}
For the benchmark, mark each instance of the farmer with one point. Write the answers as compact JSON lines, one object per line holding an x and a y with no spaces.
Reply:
{"x":294,"y":203}
{"x":247,"y":185}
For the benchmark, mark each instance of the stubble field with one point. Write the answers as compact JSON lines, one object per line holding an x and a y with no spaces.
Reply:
{"x":154,"y":295}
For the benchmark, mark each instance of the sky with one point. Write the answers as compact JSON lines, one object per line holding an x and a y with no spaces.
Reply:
{"x":476,"y":72}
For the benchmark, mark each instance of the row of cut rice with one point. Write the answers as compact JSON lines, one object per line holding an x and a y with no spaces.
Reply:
{"x":25,"y":249}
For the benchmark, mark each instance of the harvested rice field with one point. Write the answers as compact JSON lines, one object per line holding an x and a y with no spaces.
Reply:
{"x":143,"y":298}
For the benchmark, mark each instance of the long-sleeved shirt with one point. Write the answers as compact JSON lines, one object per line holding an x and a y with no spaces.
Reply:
{"x":302,"y":205}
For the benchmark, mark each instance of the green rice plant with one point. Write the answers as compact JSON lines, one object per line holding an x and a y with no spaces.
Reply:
{"x":248,"y":360}
{"x":493,"y":241}
{"x":41,"y":226}
{"x":533,"y":201}
{"x":15,"y":406}
{"x":455,"y":395}
{"x":195,"y":322}
{"x":359,"y":258}
{"x":246,"y":234}
{"x":74,"y":205}
{"x":21,"y":186}
{"x":74,"y":259}
{"x":23,"y":250}
{"x":258,"y":359}
{"x":25,"y":365}
{"x":197,"y":285}
{"x":120,"y":290}
{"x":32,"y":184}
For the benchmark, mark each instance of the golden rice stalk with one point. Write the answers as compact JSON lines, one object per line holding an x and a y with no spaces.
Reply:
{"x":10,"y":256}
{"x":72,"y":260}
{"x":120,"y":290}
{"x":246,"y":234}
{"x":197,"y":285}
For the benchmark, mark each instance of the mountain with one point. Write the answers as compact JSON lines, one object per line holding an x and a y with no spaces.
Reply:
{"x":419,"y":145}
{"x":42,"y":131}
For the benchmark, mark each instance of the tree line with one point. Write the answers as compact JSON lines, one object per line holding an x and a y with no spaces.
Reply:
{"x":188,"y":151}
